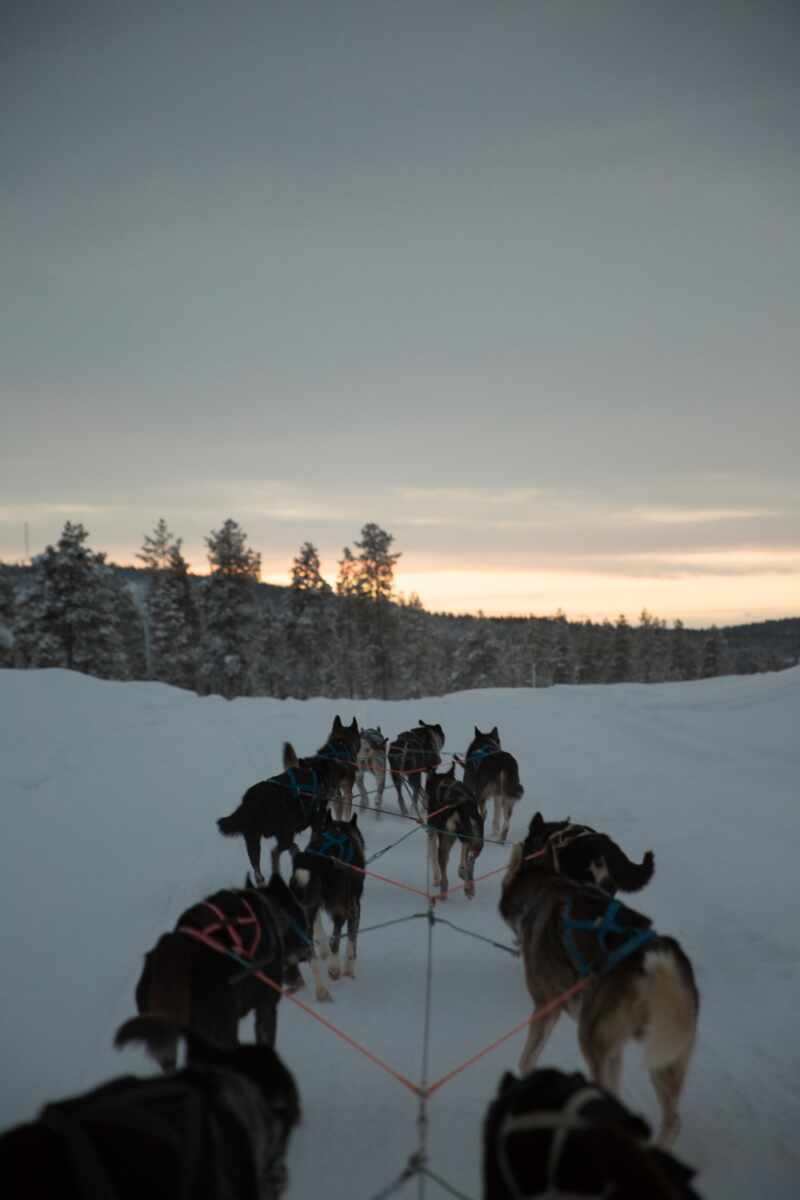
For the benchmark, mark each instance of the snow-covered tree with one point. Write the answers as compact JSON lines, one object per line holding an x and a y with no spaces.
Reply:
{"x":69,"y":615}
{"x":156,"y":548}
{"x":173,"y":622}
{"x":7,"y":605}
{"x":621,"y":657}
{"x":715,"y":655}
{"x":229,"y":613}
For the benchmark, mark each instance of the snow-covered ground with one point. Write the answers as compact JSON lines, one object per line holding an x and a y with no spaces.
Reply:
{"x":110,"y":792}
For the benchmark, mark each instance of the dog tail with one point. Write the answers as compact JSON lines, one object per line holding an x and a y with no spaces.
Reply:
{"x":160,"y":1035}
{"x":628,"y":876}
{"x":510,"y":784}
{"x":672,"y":1004}
{"x":233,"y":824}
{"x":166,"y":1000}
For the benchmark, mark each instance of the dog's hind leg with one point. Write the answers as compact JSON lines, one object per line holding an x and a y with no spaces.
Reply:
{"x":508,"y":807}
{"x":334,"y":969}
{"x":353,"y":922}
{"x":445,"y":846}
{"x":379,"y":771}
{"x":539,"y":1031}
{"x":668,"y":1082}
{"x":253,"y":843}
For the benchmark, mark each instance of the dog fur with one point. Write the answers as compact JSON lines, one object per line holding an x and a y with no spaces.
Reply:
{"x":320,"y":883}
{"x":283,"y":806}
{"x":411,"y":754}
{"x":342,"y":746}
{"x":217,"y":1130}
{"x":586,"y":856}
{"x":490,"y":772}
{"x":372,"y":758}
{"x":650,"y":995}
{"x":550,"y":1134}
{"x":193,"y":985}
{"x":461,"y":820}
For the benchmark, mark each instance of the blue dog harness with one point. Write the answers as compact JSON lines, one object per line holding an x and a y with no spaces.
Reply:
{"x":606,"y":925}
{"x":481,"y":752}
{"x":301,"y":788}
{"x":331,"y":842}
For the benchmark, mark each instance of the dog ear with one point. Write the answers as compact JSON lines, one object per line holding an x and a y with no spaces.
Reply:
{"x":289,"y":756}
{"x":337,"y":722}
{"x":354,"y":820}
{"x":354,"y":724}
{"x":478,"y":732}
{"x":508,"y":1081}
{"x":380,"y":731}
{"x":422,"y":723}
{"x":494,"y":734}
{"x":385,"y":742}
{"x":537,"y":823}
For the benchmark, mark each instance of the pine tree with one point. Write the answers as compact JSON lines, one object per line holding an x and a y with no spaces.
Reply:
{"x":306,"y":574}
{"x":173,"y":622}
{"x":563,"y":661}
{"x":621,"y":660}
{"x":156,"y":549}
{"x":69,"y":615}
{"x":229,"y":612}
{"x":714,"y":661}
{"x":7,"y":606}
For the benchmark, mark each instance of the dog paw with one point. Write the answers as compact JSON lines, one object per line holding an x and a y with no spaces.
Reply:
{"x":334,"y":971}
{"x":350,"y":970}
{"x":323,"y":951}
{"x":323,"y":995}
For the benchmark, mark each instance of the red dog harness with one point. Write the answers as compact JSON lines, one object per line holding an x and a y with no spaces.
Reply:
{"x":230,"y":928}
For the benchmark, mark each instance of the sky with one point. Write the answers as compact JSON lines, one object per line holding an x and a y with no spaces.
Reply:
{"x":518,"y":281}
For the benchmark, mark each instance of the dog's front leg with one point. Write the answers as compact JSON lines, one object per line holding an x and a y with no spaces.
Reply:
{"x":433,"y":856}
{"x":353,"y":921}
{"x":320,"y":936}
{"x":445,"y":845}
{"x":379,"y":771}
{"x":334,"y":970}
{"x":266,"y":1022}
{"x":346,"y":791}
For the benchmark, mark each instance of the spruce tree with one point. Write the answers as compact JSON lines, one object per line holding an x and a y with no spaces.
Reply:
{"x":621,"y":659}
{"x":7,"y":606}
{"x":69,"y":614}
{"x":229,"y":612}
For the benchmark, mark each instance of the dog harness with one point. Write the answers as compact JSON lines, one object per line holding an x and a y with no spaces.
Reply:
{"x":476,"y":756}
{"x":230,"y":928}
{"x":333,"y":842}
{"x":562,"y":1123}
{"x":339,"y":751}
{"x":602,"y":927}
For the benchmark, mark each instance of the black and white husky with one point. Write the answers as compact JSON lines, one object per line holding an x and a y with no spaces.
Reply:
{"x":329,"y":875}
{"x":412,"y":754}
{"x":372,"y":758}
{"x":453,"y":814}
{"x":489,"y":771}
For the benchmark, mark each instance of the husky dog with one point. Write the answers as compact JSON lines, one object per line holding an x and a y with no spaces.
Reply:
{"x":283,"y":806}
{"x":640,"y":985}
{"x":188,"y":981}
{"x":552,"y":1134}
{"x":218,"y":1129}
{"x":586,"y":856}
{"x":342,"y":746}
{"x":460,"y":819}
{"x":490,"y":772}
{"x":410,"y":755}
{"x":372,"y":758}
{"x":323,"y":878}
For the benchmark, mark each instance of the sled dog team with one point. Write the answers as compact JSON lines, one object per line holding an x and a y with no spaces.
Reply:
{"x":546,"y":1133}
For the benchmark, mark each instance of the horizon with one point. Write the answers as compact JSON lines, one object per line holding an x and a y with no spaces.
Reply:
{"x":519,"y":283}
{"x":408,"y":584}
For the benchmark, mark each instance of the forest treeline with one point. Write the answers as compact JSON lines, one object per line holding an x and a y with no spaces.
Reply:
{"x":226,"y":633}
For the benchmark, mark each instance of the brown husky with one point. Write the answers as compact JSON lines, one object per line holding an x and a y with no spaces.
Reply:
{"x":640,"y":985}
